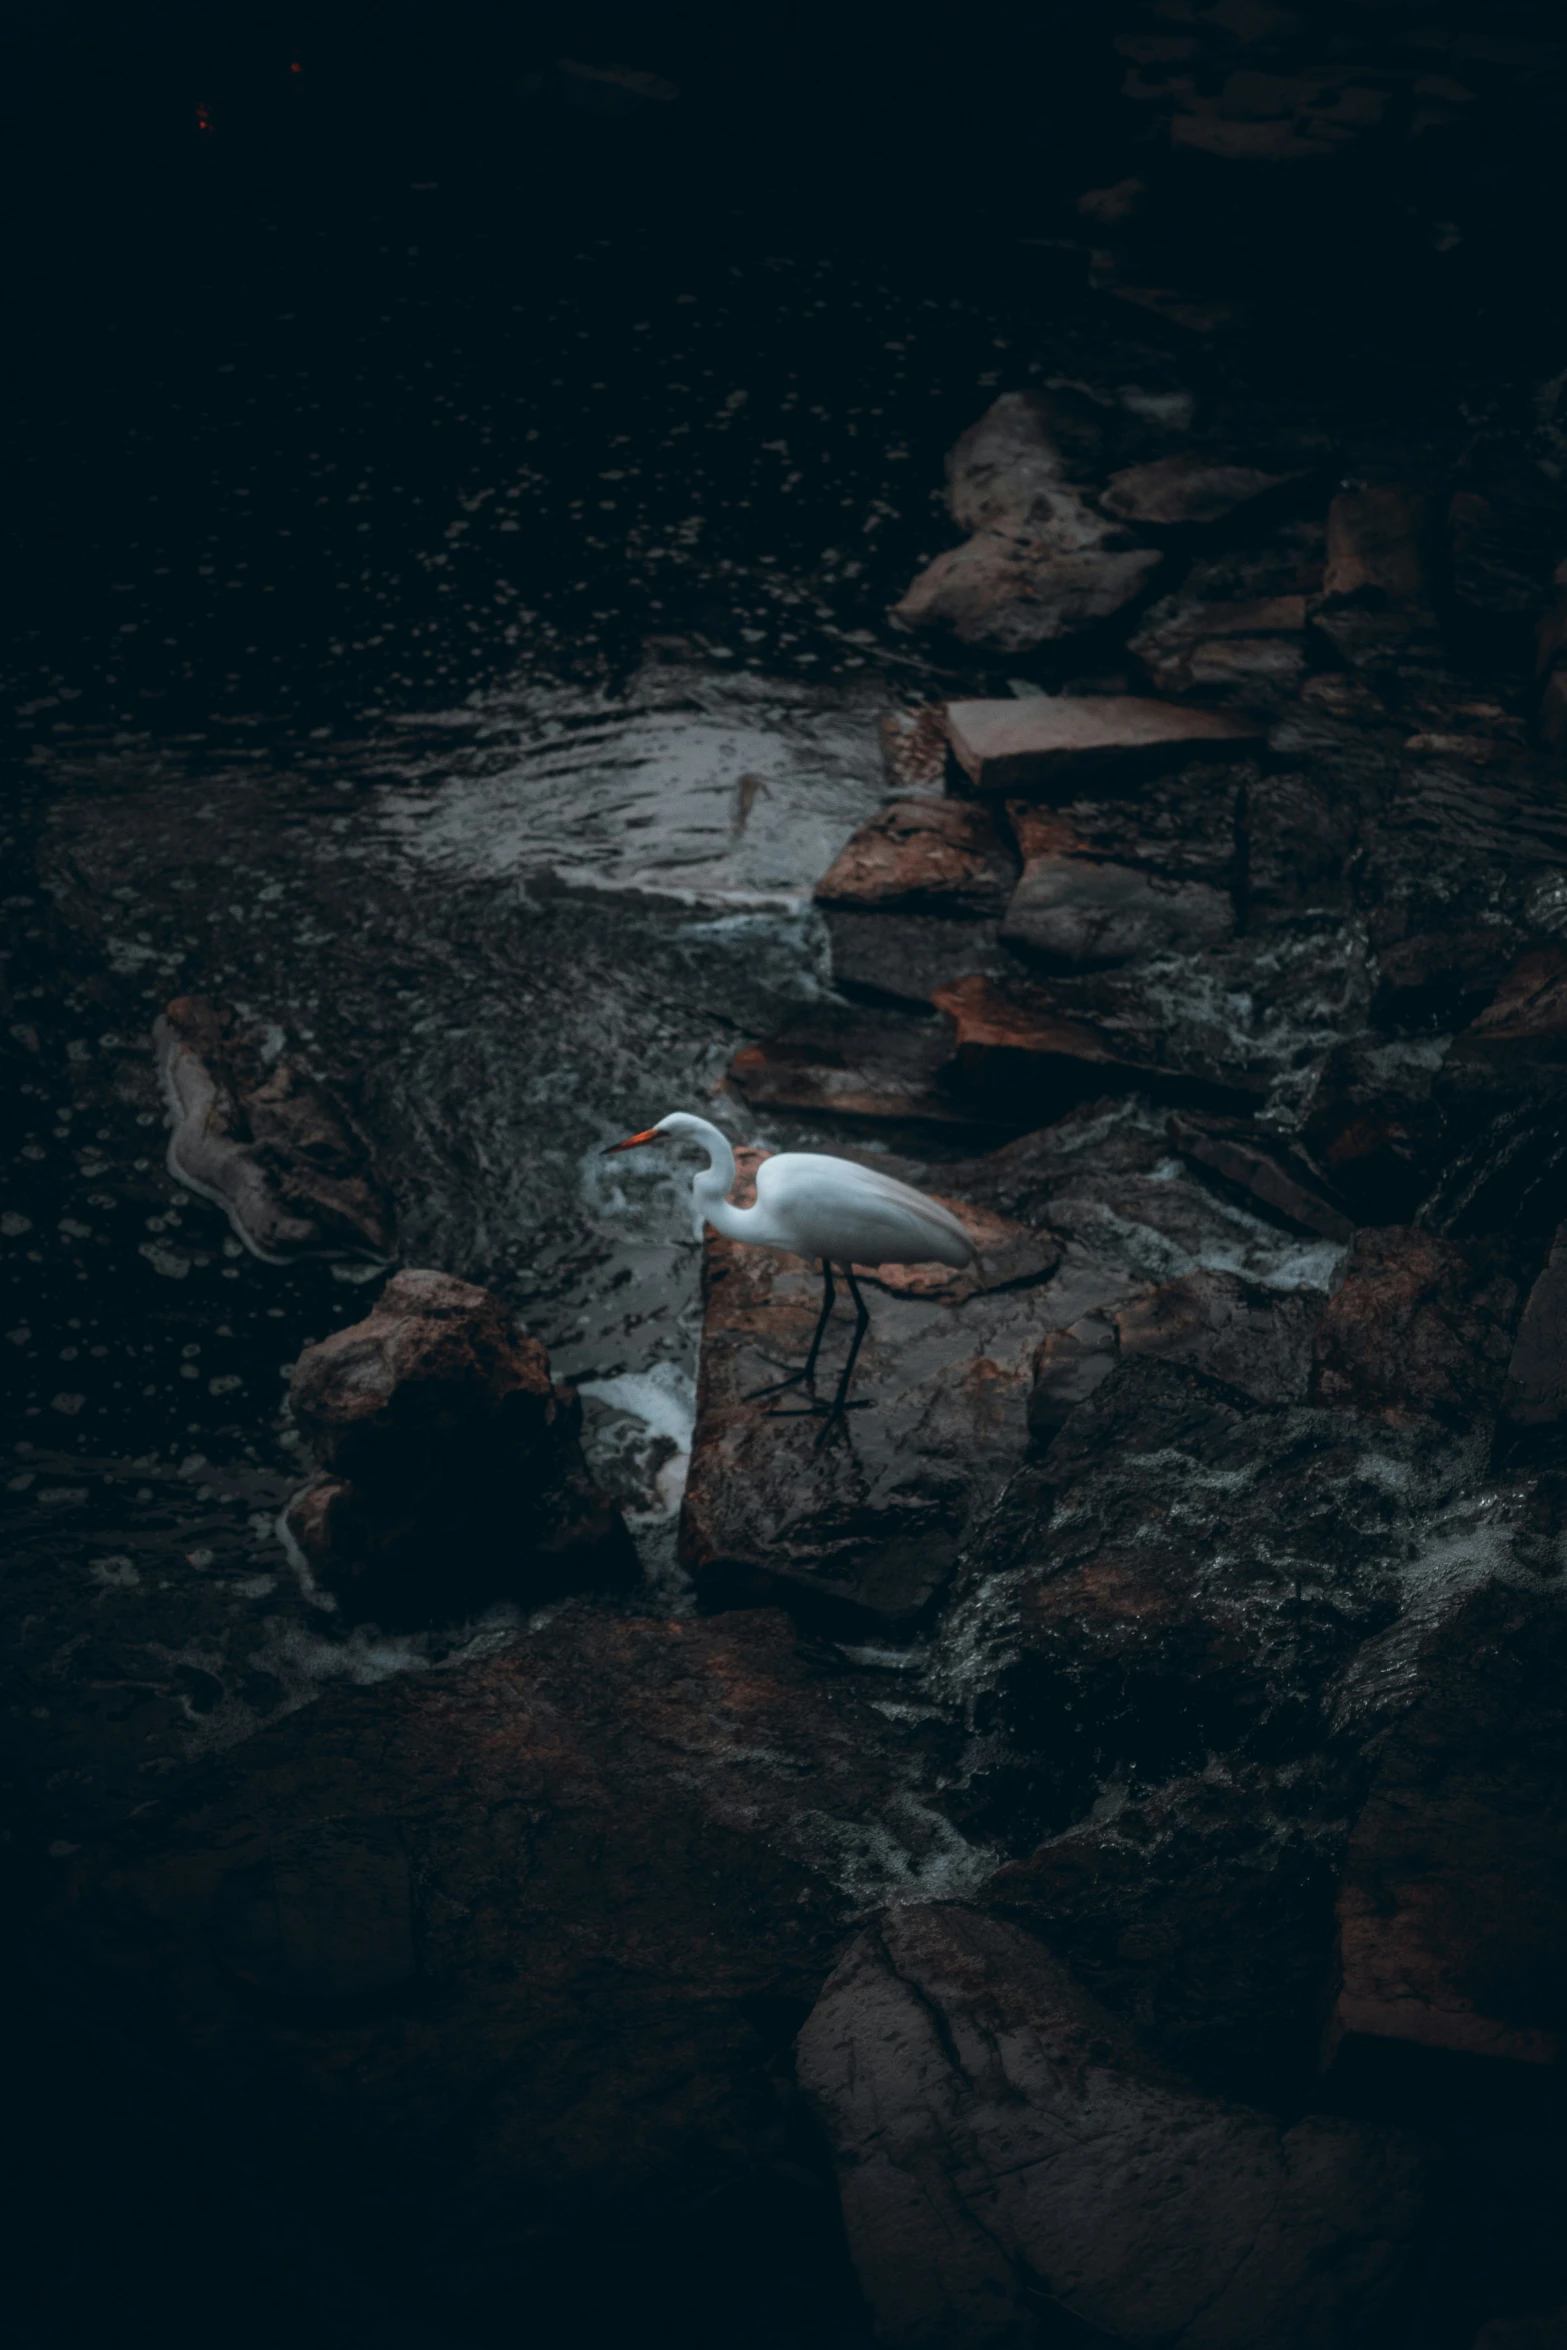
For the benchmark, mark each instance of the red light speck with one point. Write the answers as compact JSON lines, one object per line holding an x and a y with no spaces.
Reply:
{"x":203,"y":118}
{"x":296,"y":69}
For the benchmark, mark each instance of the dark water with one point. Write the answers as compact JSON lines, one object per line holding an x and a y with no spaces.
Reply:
{"x":424,"y":495}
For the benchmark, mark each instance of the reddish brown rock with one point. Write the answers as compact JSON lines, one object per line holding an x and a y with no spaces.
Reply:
{"x":452,"y":1467}
{"x":1190,"y":488}
{"x":861,"y":1535}
{"x":1439,"y":980}
{"x":993,"y":2126}
{"x":1041,"y":562}
{"x":552,"y":1916}
{"x":1415,"y":1326}
{"x":253,"y":1132}
{"x":1051,"y":744}
{"x":929,"y":856}
{"x":1377,"y":546}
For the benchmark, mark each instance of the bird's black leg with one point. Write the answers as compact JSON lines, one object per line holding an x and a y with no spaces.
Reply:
{"x":806,"y":1375}
{"x":862,"y":1322}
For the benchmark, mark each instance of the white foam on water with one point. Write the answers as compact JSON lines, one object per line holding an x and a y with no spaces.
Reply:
{"x":663,"y":1398}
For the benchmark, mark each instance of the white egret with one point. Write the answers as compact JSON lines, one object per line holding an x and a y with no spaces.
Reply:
{"x":816,"y":1206}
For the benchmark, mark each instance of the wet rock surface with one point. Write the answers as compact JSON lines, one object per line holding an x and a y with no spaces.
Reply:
{"x":1149,"y":1708}
{"x":1007,"y":2153}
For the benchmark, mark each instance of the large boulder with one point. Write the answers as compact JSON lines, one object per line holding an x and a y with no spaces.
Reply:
{"x":1040,"y":562}
{"x":1010,"y":2158}
{"x":450,"y":1466}
{"x":491,"y":1972}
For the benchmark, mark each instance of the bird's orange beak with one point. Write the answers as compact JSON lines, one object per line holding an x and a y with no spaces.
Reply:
{"x":635,"y":1141}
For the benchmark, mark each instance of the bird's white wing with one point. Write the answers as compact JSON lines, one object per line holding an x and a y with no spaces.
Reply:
{"x":812,"y":1183}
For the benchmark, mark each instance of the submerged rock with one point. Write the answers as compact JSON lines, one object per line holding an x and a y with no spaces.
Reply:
{"x":451,"y":1467}
{"x":254,"y":1133}
{"x":1004,"y":2146}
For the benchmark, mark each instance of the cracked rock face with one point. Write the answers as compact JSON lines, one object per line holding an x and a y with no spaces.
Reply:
{"x":1007,"y":2153}
{"x":552,"y":1917}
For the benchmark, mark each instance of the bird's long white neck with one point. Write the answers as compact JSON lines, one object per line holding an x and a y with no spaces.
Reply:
{"x":710,"y":1186}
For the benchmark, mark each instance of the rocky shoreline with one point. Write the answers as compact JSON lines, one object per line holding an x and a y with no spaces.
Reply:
{"x":1081,"y":1859}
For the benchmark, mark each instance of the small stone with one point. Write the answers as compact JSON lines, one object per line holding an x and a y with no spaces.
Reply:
{"x":923,"y":856}
{"x":1187,"y":489}
{"x":1055,"y":742}
{"x":1376,"y":588}
{"x":867,"y":1066}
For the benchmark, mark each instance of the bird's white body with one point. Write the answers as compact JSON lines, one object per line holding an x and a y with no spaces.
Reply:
{"x":822,"y":1207}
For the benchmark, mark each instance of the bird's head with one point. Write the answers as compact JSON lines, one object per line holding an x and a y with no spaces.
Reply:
{"x":677,"y":1123}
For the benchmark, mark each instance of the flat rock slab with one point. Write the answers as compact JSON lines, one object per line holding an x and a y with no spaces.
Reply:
{"x":861,"y":1535}
{"x":868,"y":1068}
{"x":1050,"y":743}
{"x":1187,"y":489}
{"x":483,"y":1962}
{"x":993,"y":2126}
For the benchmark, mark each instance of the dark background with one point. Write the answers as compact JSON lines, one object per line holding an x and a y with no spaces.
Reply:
{"x":286,"y":286}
